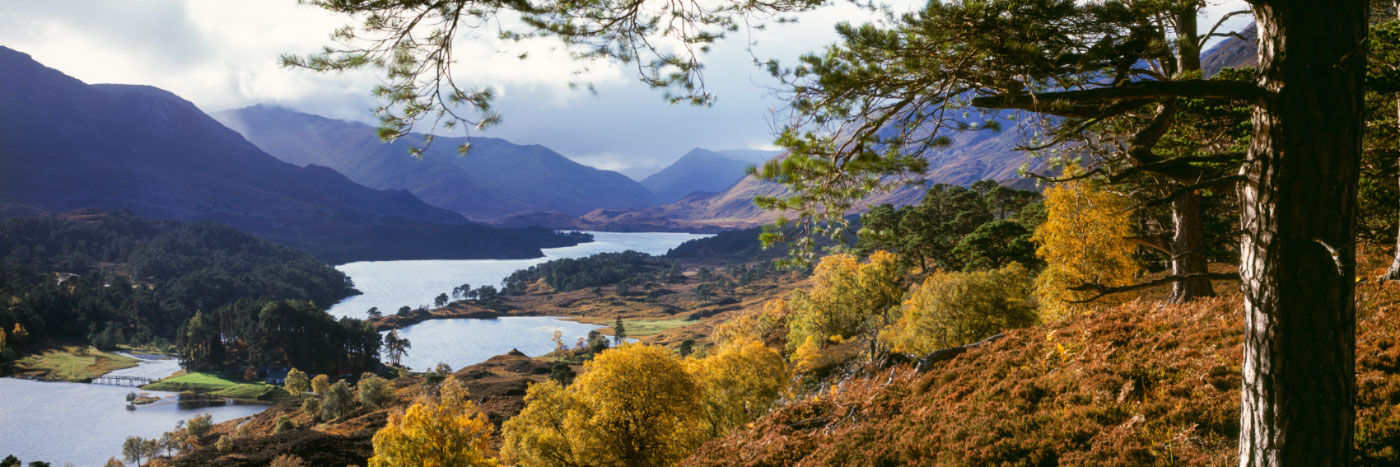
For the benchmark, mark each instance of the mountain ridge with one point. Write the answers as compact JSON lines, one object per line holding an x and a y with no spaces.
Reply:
{"x":70,"y":145}
{"x":496,"y":178}
{"x":699,"y":170}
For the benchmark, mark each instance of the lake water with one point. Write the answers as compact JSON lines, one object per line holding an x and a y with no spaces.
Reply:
{"x":389,"y":285}
{"x":84,"y":424}
{"x":462,"y":342}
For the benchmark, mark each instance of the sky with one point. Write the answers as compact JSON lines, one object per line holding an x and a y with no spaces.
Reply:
{"x":222,"y":55}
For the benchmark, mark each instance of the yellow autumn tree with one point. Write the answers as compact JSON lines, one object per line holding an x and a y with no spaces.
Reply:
{"x":538,"y":436}
{"x":320,"y":384}
{"x":957,"y":308}
{"x":767,"y":325}
{"x":634,"y":405}
{"x":1084,"y":240}
{"x":446,"y":432}
{"x":847,"y":298}
{"x":295,"y":382}
{"x":738,"y":384}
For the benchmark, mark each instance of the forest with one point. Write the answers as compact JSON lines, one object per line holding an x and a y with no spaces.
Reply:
{"x":1168,"y":187}
{"x":295,"y":333}
{"x":115,"y":278}
{"x":601,"y":269}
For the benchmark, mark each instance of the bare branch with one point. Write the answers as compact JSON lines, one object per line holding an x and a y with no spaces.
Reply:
{"x":1104,"y":291}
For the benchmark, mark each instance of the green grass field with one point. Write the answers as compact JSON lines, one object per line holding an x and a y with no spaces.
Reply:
{"x":72,"y":363}
{"x":214,"y":385}
{"x":649,"y":327}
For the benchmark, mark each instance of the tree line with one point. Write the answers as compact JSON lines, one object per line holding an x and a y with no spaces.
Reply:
{"x":296,"y":333}
{"x":115,"y":278}
{"x":570,"y":274}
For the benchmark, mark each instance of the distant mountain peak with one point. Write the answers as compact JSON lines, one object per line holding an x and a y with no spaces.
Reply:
{"x":496,"y":179}
{"x":700,"y":170}
{"x":69,"y":145}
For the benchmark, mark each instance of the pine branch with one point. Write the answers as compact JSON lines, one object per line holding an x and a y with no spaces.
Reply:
{"x":1079,"y":103}
{"x":1104,"y":291}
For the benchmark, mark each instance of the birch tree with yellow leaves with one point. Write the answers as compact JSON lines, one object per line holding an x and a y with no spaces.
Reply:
{"x":634,"y":405}
{"x":447,"y":432}
{"x":1085,"y":244}
{"x":847,"y":299}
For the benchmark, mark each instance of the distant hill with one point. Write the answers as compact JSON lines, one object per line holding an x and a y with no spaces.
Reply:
{"x":700,"y":170}
{"x":972,"y":156}
{"x":1232,"y":52}
{"x":68,"y":145}
{"x":495,"y":179}
{"x":752,"y":156}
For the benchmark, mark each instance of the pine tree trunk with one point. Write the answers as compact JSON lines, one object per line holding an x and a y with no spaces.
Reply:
{"x":1188,"y":243}
{"x":1297,"y":254}
{"x":1393,"y":274}
{"x":1188,"y":247}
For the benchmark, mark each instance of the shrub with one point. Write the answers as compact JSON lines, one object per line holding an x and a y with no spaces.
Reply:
{"x":200,"y":425}
{"x":286,"y":460}
{"x":283,"y":424}
{"x":320,"y":384}
{"x":561,"y":373}
{"x":375,"y":392}
{"x":225,"y":444}
{"x":311,"y":406}
{"x":340,"y":400}
{"x":950,"y":309}
{"x":296,"y":382}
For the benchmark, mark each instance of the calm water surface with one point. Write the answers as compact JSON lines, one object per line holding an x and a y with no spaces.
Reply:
{"x":84,"y":424}
{"x":389,"y":285}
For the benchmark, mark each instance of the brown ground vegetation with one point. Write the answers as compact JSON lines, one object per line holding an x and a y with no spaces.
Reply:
{"x":1143,"y":383}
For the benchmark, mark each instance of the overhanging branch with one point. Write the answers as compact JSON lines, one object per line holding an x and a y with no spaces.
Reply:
{"x":1104,"y":291}
{"x":1077,"y":103}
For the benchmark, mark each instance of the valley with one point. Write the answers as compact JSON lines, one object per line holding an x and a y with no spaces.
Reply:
{"x":652,"y":234}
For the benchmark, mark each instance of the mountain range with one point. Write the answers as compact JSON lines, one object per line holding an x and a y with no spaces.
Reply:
{"x":971,"y":156}
{"x":496,"y":178}
{"x":700,"y":170}
{"x":67,"y":145}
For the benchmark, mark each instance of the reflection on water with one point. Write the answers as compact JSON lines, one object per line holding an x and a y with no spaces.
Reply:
{"x":462,"y":342}
{"x":389,"y":285}
{"x":86,"y":423}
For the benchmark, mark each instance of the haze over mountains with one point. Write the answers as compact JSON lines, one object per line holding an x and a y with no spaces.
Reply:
{"x":699,"y":170}
{"x":68,"y":145}
{"x":495,"y":179}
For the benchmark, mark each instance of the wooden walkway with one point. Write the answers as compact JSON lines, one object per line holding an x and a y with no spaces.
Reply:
{"x":124,"y":380}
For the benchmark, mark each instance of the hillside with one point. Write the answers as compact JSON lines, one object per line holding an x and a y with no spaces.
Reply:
{"x":1140,"y":384}
{"x":1233,"y":52}
{"x":69,"y":145}
{"x":129,"y":280}
{"x":496,"y":178}
{"x":752,"y":156}
{"x":699,"y":170}
{"x":972,"y":156}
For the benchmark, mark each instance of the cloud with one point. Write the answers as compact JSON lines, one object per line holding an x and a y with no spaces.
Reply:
{"x":222,"y":55}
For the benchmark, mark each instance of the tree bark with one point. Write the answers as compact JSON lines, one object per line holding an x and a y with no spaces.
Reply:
{"x":1393,"y":274}
{"x":1188,"y":246}
{"x":1297,"y":253}
{"x":1188,"y":242}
